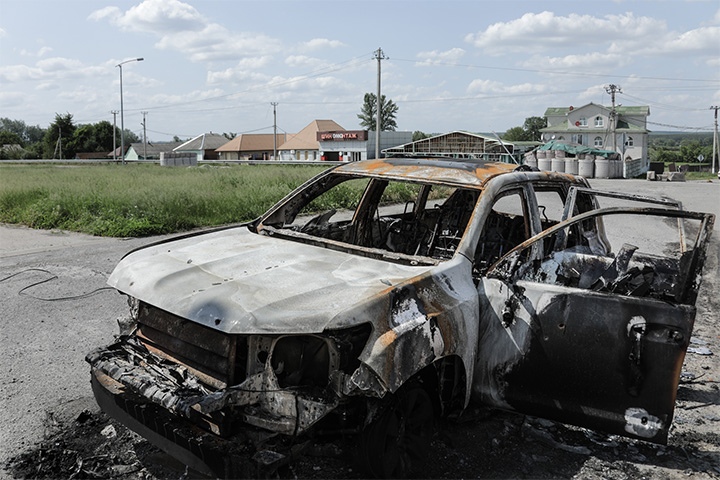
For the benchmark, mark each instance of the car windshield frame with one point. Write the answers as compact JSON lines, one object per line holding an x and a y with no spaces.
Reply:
{"x":279,"y":220}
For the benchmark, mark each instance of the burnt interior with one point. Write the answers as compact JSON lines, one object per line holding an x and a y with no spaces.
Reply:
{"x":571,"y":257}
{"x":405,"y":218}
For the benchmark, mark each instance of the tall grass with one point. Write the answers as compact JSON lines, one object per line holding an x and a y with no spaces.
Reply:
{"x":139,"y":200}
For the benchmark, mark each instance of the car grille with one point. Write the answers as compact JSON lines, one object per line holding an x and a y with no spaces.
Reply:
{"x":216,"y":358}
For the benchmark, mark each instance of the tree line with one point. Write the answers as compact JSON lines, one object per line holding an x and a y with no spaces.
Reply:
{"x":681,"y":147}
{"x":21,"y":141}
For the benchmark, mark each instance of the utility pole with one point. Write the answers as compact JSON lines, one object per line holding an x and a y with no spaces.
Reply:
{"x":122,"y":114}
{"x":114,"y":114}
{"x":715,"y":141}
{"x":274,"y":104}
{"x":379,"y":56}
{"x":611,"y":89}
{"x":144,"y":137}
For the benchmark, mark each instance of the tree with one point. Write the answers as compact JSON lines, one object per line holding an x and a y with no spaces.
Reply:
{"x":62,"y":128}
{"x":10,"y":138}
{"x":690,"y":150}
{"x":28,"y":133}
{"x":388,"y":110}
{"x":418,"y":135}
{"x":532,"y":127}
{"x":94,"y":137}
{"x":530,"y":131}
{"x":515,"y":134}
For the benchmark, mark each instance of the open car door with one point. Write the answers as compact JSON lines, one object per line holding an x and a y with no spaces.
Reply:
{"x":573,"y":333}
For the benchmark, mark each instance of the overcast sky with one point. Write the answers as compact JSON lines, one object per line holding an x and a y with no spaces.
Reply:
{"x":479,"y":66}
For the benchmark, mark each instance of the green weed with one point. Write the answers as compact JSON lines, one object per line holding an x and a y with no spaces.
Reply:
{"x":140,"y":200}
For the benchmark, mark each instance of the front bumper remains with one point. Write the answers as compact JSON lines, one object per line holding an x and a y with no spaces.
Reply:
{"x":247,"y":430}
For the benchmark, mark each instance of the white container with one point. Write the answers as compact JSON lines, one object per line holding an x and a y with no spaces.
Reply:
{"x":602,"y":167}
{"x":557,"y":164}
{"x":545,"y":164}
{"x":586,"y":167}
{"x":571,"y":165}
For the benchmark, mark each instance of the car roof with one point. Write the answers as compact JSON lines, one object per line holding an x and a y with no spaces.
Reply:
{"x":467,"y":172}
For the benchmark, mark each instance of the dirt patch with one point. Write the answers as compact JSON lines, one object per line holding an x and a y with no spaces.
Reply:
{"x":90,"y":446}
{"x":483,"y":444}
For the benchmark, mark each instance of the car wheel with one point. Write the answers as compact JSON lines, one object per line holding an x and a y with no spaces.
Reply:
{"x":398,"y":440}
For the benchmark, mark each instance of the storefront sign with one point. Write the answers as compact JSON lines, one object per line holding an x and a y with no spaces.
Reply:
{"x":359,"y":135}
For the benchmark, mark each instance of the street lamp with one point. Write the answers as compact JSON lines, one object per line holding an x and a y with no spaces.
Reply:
{"x":122,"y":117}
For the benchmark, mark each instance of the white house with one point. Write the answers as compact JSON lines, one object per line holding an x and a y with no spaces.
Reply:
{"x":593,"y":126}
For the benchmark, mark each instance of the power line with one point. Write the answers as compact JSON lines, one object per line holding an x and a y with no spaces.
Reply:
{"x":679,"y":127}
{"x":663,"y":105}
{"x":559,"y":72}
{"x":491,"y":97}
{"x":315,"y":73}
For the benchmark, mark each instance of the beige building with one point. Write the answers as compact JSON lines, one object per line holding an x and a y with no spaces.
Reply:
{"x":251,"y":146}
{"x":304,"y":145}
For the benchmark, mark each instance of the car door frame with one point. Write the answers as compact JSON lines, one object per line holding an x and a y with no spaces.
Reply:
{"x":540,"y":345}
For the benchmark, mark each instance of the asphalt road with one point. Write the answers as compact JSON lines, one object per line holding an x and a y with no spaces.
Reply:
{"x":55,"y":308}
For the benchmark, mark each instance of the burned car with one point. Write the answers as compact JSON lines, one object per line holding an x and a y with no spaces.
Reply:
{"x":383,"y":293}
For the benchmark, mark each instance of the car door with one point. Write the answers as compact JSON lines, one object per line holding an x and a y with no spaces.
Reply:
{"x":571,"y":332}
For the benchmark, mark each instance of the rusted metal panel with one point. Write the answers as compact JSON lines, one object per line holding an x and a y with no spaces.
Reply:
{"x":238,"y":282}
{"x":470,"y":173}
{"x":582,"y":357}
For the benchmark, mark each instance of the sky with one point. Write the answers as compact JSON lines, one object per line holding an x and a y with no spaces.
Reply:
{"x":479,"y":66}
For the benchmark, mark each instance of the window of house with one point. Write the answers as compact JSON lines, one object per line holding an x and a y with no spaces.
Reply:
{"x":583,"y":122}
{"x":598,"y":142}
{"x":561,"y":138}
{"x":599,"y":121}
{"x":579,"y":139}
{"x":629,"y":142}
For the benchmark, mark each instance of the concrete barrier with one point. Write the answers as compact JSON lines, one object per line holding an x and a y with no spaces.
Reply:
{"x":170,"y":159}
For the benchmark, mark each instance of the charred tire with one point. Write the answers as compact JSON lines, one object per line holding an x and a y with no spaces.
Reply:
{"x":395,"y":444}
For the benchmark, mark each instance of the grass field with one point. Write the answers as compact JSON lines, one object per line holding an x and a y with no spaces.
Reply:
{"x":139,"y":200}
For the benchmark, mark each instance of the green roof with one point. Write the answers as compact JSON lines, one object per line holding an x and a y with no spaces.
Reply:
{"x":631,"y":110}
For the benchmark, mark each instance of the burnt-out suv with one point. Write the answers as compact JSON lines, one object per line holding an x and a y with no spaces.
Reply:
{"x":383,"y":293}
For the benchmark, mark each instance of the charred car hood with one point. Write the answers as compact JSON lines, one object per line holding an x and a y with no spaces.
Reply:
{"x":237,"y":281}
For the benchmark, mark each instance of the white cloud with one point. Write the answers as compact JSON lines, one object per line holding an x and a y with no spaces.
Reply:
{"x":59,"y":64}
{"x":704,"y":40}
{"x":235,"y":75}
{"x":480,"y":86}
{"x":303,"y":61}
{"x":40,"y":53}
{"x":53,"y":69}
{"x":319,"y":43}
{"x":164,"y":99}
{"x":436,"y":57}
{"x":3,"y":33}
{"x":540,"y":31}
{"x":13,"y":99}
{"x":47,"y":86}
{"x":586,"y":62}
{"x":181,"y":27}
{"x":111,"y":13}
{"x":161,"y":16}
